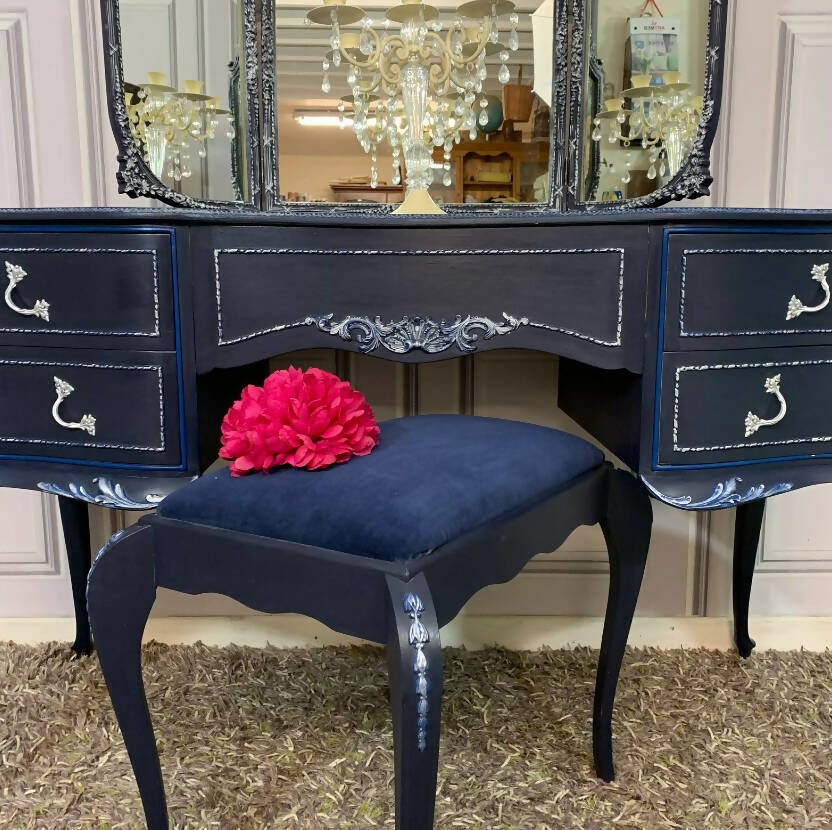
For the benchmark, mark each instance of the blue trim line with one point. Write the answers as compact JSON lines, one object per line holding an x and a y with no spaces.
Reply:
{"x":667,"y":233}
{"x":180,"y":381}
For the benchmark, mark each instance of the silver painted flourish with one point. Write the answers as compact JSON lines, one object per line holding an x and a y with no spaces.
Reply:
{"x":755,"y":422}
{"x":63,"y":390}
{"x":423,"y":333}
{"x":725,"y":494}
{"x":15,"y":273}
{"x":820,"y":273}
{"x":108,"y":495}
{"x":418,"y":637}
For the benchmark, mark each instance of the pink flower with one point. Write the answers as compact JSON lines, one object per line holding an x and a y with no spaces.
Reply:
{"x":310,"y":419}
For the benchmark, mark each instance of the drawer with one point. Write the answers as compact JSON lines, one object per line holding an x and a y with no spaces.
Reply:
{"x":91,"y":407}
{"x":744,"y":290}
{"x":744,"y":406}
{"x":422,"y":293}
{"x":100,"y":290}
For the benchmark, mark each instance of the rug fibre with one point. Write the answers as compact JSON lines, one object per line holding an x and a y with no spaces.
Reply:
{"x":270,"y":738}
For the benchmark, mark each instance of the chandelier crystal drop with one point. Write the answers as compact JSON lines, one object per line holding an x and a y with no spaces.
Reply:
{"x":416,"y":88}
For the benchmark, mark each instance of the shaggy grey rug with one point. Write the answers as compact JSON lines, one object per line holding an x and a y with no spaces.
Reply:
{"x":274,"y":738}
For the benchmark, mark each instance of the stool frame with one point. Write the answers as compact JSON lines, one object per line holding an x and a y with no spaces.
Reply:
{"x":399,"y":604}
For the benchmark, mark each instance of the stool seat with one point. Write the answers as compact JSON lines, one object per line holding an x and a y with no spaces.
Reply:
{"x":430,"y":479}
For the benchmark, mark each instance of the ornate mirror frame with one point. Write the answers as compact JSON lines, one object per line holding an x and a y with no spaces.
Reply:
{"x":557,"y":138}
{"x":694,"y":178}
{"x":134,"y":176}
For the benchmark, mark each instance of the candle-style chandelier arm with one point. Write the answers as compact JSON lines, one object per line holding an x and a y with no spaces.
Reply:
{"x":389,"y":59}
{"x":440,"y":69}
{"x":461,"y":61}
{"x":373,"y":57}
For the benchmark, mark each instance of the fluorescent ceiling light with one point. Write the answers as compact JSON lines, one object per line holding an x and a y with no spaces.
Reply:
{"x":322,"y":118}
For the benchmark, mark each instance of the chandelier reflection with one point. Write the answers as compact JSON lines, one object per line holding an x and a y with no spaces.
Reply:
{"x":169,"y":125}
{"x":416,"y":88}
{"x":662,"y":119}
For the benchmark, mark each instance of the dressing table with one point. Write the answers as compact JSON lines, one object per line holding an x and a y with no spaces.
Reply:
{"x":695,"y":343}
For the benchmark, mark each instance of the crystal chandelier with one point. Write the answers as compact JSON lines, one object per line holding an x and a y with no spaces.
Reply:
{"x":662,"y":119}
{"x":416,"y":88}
{"x":168,"y":124}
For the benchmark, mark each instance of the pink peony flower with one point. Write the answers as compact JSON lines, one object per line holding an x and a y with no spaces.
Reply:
{"x":310,"y":419}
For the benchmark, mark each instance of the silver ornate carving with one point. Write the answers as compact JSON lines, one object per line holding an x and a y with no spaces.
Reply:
{"x":767,"y":252}
{"x":16,"y":274}
{"x":63,"y":390}
{"x":99,"y":444}
{"x":615,"y":341}
{"x":820,"y":274}
{"x":423,"y":333}
{"x":418,"y":637}
{"x":154,"y":332}
{"x":755,"y":422}
{"x":108,"y":494}
{"x":680,"y":370}
{"x":725,"y":494}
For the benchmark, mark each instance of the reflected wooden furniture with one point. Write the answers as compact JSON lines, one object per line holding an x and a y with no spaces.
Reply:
{"x":518,"y":162}
{"x":384,"y":194}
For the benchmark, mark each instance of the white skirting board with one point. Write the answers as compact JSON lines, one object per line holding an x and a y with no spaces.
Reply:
{"x":472,"y":632}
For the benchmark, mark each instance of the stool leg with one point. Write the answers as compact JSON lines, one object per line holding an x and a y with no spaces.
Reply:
{"x":627,"y":526}
{"x":414,"y":664}
{"x":120,"y":594}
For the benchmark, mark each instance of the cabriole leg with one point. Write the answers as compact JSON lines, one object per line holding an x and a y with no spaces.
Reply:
{"x":120,"y":595}
{"x":75,"y":522}
{"x":414,"y":664}
{"x":627,"y":526}
{"x":747,"y":526}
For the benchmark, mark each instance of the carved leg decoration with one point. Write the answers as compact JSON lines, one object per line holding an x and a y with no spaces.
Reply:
{"x":747,"y":526}
{"x":627,"y":526}
{"x":120,"y":595}
{"x":76,"y":527}
{"x":414,"y":664}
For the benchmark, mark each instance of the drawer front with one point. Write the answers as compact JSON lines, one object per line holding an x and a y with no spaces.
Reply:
{"x":420,"y":294}
{"x":89,"y":289}
{"x":90,"y":407}
{"x":735,"y":407}
{"x":733,"y":290}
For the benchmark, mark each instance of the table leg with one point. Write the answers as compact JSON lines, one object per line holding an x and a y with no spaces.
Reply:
{"x":747,"y":526}
{"x":76,"y":527}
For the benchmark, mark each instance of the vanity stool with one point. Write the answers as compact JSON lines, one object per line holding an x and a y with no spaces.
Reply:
{"x":387,"y":547}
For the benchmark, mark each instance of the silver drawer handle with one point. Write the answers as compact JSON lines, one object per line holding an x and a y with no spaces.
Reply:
{"x":63,"y":391}
{"x":754,"y":422}
{"x":796,"y":307}
{"x":16,"y":274}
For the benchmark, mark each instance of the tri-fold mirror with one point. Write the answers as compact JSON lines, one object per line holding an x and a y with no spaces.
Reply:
{"x":479,"y":106}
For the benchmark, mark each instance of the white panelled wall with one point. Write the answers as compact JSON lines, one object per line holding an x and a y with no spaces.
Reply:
{"x":55,"y":148}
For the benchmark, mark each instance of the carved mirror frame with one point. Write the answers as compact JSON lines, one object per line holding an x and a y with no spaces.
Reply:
{"x":694,"y":177}
{"x":134,"y":176}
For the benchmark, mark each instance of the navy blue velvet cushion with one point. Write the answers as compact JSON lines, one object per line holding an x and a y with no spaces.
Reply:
{"x":430,"y":479}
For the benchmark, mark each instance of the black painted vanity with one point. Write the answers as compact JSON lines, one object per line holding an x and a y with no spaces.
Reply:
{"x":695,"y":344}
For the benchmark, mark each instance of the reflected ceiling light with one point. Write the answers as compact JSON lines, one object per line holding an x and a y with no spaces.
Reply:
{"x":322,"y":118}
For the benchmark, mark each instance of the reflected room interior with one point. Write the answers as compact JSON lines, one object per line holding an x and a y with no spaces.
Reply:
{"x":645,"y":81}
{"x":187,"y":106}
{"x":344,"y":122}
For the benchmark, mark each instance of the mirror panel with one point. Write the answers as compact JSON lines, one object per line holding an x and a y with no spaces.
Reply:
{"x":644,"y":119}
{"x":343,"y":116}
{"x":185,"y":103}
